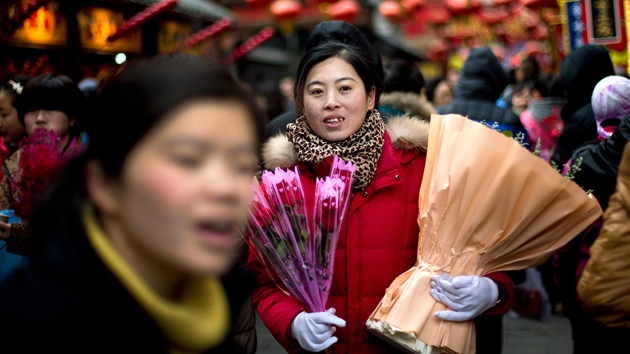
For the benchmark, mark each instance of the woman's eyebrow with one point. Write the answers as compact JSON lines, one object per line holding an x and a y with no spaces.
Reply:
{"x":336,"y":81}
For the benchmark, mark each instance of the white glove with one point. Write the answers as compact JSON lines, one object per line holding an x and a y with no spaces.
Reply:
{"x":314,"y":331}
{"x":467,"y":296}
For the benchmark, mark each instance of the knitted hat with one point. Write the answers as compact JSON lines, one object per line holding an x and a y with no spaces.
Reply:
{"x":611,"y":102}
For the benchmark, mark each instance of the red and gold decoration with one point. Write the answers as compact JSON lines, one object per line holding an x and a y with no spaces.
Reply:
{"x":20,"y":12}
{"x":249,"y":44}
{"x":205,"y":33}
{"x":142,"y":17}
{"x":44,"y":26}
{"x":98,"y":24}
{"x":344,"y":10}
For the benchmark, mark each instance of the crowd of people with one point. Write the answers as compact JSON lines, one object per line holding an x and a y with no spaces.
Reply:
{"x":126,"y":234}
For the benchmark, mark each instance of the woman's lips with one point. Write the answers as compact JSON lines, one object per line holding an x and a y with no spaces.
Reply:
{"x":333,"y":121}
{"x":217,"y":233}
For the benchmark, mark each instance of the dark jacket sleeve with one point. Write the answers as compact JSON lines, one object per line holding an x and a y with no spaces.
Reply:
{"x":506,"y":293}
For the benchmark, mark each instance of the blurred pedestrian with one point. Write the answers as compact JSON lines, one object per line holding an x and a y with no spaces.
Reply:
{"x":481,"y":82}
{"x":580,"y":71}
{"x":403,"y":91}
{"x":139,"y":234}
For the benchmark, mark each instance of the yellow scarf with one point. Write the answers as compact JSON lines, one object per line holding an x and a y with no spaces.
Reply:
{"x":199,"y":321}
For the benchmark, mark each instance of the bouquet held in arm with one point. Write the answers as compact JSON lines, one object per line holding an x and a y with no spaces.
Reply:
{"x":297,"y":245}
{"x":486,"y":205}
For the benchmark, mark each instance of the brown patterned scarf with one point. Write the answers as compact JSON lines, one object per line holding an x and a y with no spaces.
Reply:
{"x":363,"y":147}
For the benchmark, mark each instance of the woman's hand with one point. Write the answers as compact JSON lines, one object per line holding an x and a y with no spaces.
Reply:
{"x":5,"y":230}
{"x":314,"y":331}
{"x":466,"y":296}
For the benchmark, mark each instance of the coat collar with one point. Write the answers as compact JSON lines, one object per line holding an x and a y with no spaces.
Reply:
{"x":405,"y":132}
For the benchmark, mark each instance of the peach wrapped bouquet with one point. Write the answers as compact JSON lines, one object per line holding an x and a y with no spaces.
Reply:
{"x":486,"y":204}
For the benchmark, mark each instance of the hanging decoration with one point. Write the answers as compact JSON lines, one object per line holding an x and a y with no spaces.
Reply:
{"x":142,"y":17}
{"x":250,"y":44}
{"x":23,"y":11}
{"x":285,"y":12}
{"x":537,"y":4}
{"x":390,"y":9}
{"x":285,"y":9}
{"x":344,"y":10}
{"x":205,"y":33}
{"x":461,"y":7}
{"x":440,"y":15}
{"x":411,"y":6}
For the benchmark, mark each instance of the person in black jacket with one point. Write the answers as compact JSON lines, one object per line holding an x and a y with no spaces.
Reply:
{"x":139,"y":236}
{"x":580,"y":71}
{"x":481,"y":82}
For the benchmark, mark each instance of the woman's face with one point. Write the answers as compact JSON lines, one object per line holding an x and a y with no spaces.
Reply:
{"x":10,"y":128}
{"x":50,"y":120}
{"x":442,"y":94}
{"x":185,"y":189}
{"x":335,"y":101}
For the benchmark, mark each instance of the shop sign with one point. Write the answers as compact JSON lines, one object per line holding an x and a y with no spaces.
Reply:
{"x":96,"y":24}
{"x":45,"y":26}
{"x":603,"y":21}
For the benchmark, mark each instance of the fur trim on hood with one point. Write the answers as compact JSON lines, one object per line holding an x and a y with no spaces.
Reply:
{"x":406,"y":132}
{"x":408,"y":102}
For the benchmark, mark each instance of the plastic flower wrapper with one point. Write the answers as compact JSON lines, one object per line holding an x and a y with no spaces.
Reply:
{"x":295,"y":245}
{"x":486,"y":204}
{"x":332,"y":195}
{"x":42,"y":158}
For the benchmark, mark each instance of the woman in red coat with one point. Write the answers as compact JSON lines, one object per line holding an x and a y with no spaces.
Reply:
{"x":336,"y":93}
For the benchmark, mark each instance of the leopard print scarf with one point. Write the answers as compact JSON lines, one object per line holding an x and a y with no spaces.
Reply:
{"x":363,"y":147}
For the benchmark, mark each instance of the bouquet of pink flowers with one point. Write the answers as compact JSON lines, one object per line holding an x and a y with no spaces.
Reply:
{"x":296,"y":245}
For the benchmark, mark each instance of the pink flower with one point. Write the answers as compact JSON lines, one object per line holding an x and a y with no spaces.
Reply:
{"x":297,"y":249}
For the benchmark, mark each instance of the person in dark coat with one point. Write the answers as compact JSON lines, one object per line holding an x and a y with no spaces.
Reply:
{"x":481,"y":82}
{"x":338,"y":30}
{"x":580,"y":71}
{"x":139,"y":235}
{"x":599,"y":162}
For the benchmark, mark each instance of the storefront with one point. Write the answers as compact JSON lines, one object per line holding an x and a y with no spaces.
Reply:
{"x":73,"y":37}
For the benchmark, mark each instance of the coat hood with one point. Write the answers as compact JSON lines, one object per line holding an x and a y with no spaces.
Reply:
{"x":580,"y":71}
{"x":482,"y":77}
{"x":406,"y":132}
{"x":407,"y":102}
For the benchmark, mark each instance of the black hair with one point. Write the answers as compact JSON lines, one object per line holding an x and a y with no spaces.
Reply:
{"x":431,"y":85}
{"x":530,"y":68}
{"x":402,"y":75}
{"x":54,"y":92}
{"x":532,"y":85}
{"x":353,"y":55}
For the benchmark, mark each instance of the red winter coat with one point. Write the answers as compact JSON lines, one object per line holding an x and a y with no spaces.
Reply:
{"x":377,"y":243}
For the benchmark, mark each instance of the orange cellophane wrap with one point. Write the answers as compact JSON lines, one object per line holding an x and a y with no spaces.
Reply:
{"x":486,"y":204}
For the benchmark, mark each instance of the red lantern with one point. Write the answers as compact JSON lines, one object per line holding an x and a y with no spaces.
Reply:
{"x":285,"y":9}
{"x":460,"y":7}
{"x":344,"y":10}
{"x":390,"y":9}
{"x":537,"y":4}
{"x":412,"y":5}
{"x":501,"y":2}
{"x":439,"y":15}
{"x":493,"y":16}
